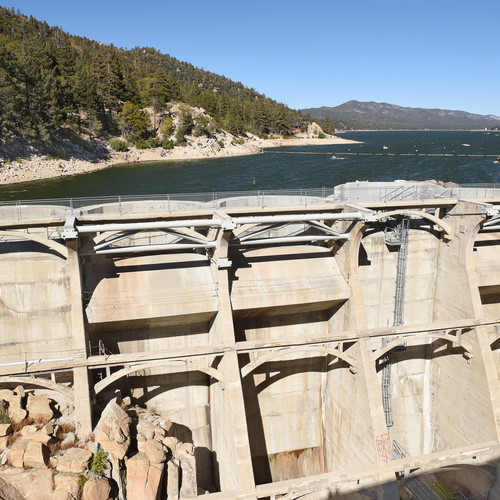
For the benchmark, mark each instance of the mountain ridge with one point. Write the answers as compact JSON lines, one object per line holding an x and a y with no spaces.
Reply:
{"x":378,"y":116}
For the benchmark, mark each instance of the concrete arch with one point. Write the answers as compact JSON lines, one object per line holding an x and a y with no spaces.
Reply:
{"x":40,"y":382}
{"x":391,"y":345}
{"x":424,"y":215}
{"x":168,"y":364}
{"x":250,"y":367}
{"x":53,"y":245}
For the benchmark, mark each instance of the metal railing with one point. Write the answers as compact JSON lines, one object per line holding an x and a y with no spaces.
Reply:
{"x":136,"y":204}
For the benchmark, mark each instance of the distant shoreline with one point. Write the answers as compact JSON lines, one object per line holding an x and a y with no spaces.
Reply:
{"x":38,"y":168}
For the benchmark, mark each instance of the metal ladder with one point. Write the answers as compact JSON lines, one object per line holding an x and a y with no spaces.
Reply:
{"x":399,"y":236}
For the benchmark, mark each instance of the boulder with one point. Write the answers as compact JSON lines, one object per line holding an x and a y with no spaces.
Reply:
{"x":28,"y":429}
{"x":113,"y":430}
{"x":46,"y":439}
{"x":39,"y":408}
{"x":16,"y":453}
{"x":189,"y":483}
{"x":154,"y":451}
{"x":143,"y":478}
{"x":159,"y":433}
{"x":171,"y":443}
{"x":173,"y":480}
{"x":5,"y":394}
{"x":66,"y":483}
{"x":97,"y":489}
{"x":33,"y":484}
{"x":4,"y":441}
{"x":5,"y":429}
{"x":36,"y":455}
{"x":74,"y":460}
{"x":16,"y":411}
{"x":62,"y":495}
{"x":19,"y":390}
{"x":48,"y":429}
{"x":145,"y":429}
{"x":8,"y":492}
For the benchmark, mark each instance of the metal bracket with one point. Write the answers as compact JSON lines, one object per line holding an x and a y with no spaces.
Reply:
{"x":368,"y":215}
{"x":69,"y":231}
{"x":227,"y":223}
{"x":224,"y":263}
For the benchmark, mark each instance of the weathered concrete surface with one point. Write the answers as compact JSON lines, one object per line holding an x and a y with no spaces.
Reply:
{"x":270,"y":366}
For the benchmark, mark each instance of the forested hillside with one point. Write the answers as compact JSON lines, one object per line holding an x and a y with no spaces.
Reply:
{"x":50,"y":79}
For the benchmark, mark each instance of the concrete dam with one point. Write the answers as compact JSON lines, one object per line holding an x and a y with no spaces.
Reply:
{"x":311,"y":344}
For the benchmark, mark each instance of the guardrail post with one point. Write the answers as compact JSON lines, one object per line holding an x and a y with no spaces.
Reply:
{"x":71,"y":206}
{"x":120,"y":204}
{"x":168,"y":201}
{"x":305,"y":198}
{"x":18,"y":204}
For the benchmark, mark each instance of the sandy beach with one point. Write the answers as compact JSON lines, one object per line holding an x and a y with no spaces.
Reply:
{"x":37,"y":167}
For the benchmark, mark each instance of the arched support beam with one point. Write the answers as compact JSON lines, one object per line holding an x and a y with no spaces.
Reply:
{"x":53,"y":245}
{"x":403,"y":338}
{"x":250,"y":367}
{"x":181,"y":233}
{"x":171,"y":365}
{"x":40,"y":382}
{"x":417,"y":213}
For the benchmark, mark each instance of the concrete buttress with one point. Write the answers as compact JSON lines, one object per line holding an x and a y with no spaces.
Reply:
{"x":83,"y":409}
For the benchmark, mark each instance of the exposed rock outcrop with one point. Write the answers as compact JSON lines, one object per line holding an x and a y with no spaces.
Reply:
{"x":113,"y":430}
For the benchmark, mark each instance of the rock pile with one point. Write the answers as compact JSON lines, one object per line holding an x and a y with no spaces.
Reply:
{"x":134,"y":455}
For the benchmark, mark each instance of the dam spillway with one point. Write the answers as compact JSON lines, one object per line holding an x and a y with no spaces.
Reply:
{"x":262,"y":326}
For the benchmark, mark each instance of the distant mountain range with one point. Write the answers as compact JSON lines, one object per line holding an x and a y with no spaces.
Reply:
{"x":355,"y":115}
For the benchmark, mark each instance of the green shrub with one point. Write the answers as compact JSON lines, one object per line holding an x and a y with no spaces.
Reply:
{"x":141,"y":144}
{"x":58,"y":152}
{"x":263,"y":136}
{"x":321,"y":135}
{"x":166,"y":127}
{"x":118,"y":144}
{"x":154,"y":142}
{"x":220,"y":143}
{"x":4,"y":418}
{"x":99,"y":461}
{"x":167,"y":144}
{"x":81,"y":482}
{"x":286,"y":136}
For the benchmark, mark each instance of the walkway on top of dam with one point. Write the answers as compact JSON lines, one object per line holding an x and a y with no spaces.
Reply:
{"x":354,"y":192}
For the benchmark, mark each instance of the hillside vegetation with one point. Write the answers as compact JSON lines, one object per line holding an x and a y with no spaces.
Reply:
{"x":52,"y":81}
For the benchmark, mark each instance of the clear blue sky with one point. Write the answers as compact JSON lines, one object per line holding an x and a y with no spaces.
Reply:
{"x":417,"y":53}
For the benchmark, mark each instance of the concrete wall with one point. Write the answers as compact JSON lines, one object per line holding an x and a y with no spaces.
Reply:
{"x":377,"y":273}
{"x":461,"y":408}
{"x":410,"y":389}
{"x":35,"y":304}
{"x":348,"y":434}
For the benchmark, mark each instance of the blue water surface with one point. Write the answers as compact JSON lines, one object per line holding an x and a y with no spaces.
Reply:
{"x":293,"y":167}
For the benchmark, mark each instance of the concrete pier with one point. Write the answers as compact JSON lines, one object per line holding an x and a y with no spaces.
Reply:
{"x":262,"y":330}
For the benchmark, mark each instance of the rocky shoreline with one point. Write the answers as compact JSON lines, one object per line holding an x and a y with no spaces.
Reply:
{"x":39,"y":167}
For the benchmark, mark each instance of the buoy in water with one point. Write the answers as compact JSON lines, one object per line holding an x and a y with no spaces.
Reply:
{"x":254,"y":181}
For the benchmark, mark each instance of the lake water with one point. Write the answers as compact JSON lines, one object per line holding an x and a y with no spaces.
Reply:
{"x":293,"y":167}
